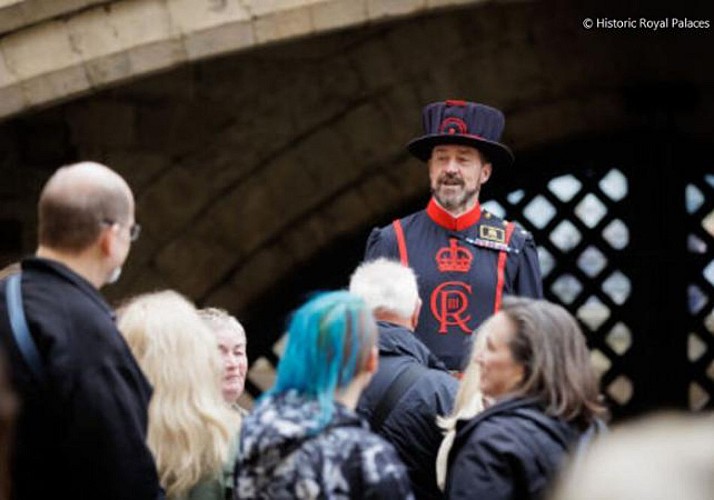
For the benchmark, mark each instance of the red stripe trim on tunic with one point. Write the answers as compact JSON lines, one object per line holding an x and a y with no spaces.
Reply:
{"x":401,"y":242}
{"x":502,"y":268}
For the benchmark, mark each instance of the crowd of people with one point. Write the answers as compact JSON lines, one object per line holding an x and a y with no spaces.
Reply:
{"x":437,"y":372}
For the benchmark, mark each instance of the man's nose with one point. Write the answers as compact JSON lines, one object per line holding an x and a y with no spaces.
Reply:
{"x":451,"y":165}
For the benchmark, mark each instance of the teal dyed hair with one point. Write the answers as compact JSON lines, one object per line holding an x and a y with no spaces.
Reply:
{"x":327,"y":337}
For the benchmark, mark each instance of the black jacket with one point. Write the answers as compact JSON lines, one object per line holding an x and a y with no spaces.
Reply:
{"x":411,"y":426}
{"x":509,"y":451}
{"x":81,"y":433}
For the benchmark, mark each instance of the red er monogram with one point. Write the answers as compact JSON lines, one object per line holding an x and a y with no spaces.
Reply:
{"x":450,"y":300}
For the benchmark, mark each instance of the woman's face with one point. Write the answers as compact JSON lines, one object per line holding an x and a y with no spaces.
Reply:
{"x":235,"y":362}
{"x":500,"y":374}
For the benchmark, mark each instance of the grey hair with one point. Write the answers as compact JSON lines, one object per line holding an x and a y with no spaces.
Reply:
{"x":386,"y":285}
{"x":220,"y":319}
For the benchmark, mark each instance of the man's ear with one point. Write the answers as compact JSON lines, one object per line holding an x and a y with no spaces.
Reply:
{"x":415,"y":314}
{"x":107,"y":238}
{"x":486,"y":171}
{"x":372,"y":362}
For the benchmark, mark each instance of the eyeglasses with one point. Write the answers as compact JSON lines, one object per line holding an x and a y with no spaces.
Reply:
{"x":134,"y":229}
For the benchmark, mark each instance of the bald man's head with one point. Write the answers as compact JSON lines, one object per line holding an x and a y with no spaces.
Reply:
{"x":76,"y":201}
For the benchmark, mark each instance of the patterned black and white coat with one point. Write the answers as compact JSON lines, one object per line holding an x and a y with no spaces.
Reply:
{"x":281,"y":457}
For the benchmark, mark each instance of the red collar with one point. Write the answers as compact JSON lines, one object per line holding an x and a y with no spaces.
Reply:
{"x":448,"y":221}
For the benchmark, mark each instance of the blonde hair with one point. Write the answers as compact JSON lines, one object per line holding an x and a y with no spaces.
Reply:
{"x":191,"y":428}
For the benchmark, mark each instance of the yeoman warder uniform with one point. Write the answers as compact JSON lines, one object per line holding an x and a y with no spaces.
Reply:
{"x":465,"y":264}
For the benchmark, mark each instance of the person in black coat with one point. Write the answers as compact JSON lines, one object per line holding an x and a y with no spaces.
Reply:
{"x":541,"y":393}
{"x":408,"y":420}
{"x":81,"y":428}
{"x":8,"y":410}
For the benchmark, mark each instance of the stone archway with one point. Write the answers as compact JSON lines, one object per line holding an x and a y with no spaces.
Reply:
{"x":54,"y":50}
{"x":251,"y":167}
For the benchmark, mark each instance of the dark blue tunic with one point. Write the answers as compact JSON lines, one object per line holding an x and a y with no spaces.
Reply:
{"x":464,"y":266}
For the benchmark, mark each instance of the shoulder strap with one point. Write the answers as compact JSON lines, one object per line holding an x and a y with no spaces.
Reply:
{"x":501,"y":271}
{"x":401,"y":242}
{"x":20,"y":330}
{"x":394,"y":393}
{"x":597,"y":428}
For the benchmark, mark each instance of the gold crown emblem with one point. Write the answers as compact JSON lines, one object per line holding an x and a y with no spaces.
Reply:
{"x":454,"y":258}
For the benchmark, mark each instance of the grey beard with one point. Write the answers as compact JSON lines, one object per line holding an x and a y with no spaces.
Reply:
{"x":452,"y":203}
{"x":114,"y":276}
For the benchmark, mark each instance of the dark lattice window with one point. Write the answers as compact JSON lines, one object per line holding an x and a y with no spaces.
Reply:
{"x":635,"y":269}
{"x":577,"y":222}
{"x":699,"y":196}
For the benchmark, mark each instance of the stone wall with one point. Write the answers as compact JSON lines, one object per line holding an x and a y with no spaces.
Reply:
{"x":247,"y":166}
{"x":52,"y":50}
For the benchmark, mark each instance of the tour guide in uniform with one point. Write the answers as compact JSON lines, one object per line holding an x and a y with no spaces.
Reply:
{"x":465,"y":258}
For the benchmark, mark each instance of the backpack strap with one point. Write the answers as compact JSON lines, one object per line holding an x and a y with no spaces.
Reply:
{"x":394,"y":393}
{"x":596,"y":429}
{"x":501,"y":270}
{"x":401,"y":242}
{"x":20,"y":330}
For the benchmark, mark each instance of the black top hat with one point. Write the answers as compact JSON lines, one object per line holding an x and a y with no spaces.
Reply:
{"x":462,"y":122}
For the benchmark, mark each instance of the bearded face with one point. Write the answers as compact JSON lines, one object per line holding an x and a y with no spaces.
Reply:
{"x":456,"y":174}
{"x":451,"y":192}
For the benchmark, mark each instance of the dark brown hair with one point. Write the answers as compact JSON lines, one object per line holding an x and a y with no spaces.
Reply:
{"x":72,"y":221}
{"x":551,"y":347}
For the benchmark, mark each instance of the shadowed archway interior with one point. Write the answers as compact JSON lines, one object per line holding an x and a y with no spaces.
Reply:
{"x":258,"y":175}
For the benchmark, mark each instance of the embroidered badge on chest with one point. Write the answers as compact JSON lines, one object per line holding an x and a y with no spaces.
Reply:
{"x":454,"y":258}
{"x":490,"y":237}
{"x":492,"y":233}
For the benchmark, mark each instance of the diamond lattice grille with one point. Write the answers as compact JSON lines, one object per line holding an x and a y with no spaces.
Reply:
{"x":699,"y":197}
{"x":577,"y":223}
